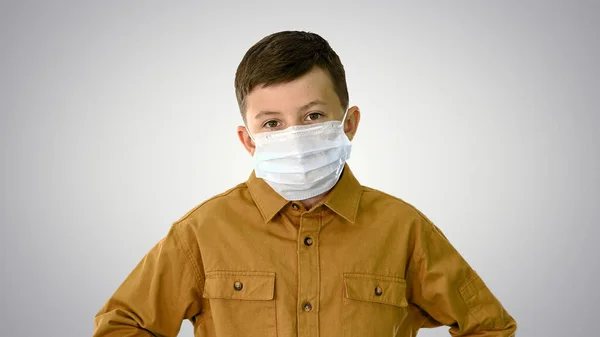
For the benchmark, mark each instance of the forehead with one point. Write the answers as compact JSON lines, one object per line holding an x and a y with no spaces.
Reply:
{"x":288,"y":97}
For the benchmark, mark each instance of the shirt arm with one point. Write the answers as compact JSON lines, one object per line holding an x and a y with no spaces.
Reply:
{"x":450,"y":292}
{"x":155,"y":298}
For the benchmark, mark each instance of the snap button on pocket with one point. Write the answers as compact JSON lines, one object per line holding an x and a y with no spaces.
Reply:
{"x":223,"y":290}
{"x":374,"y":303}
{"x":376,"y":288}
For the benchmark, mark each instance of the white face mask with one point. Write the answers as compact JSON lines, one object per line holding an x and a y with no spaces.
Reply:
{"x":301,"y":162}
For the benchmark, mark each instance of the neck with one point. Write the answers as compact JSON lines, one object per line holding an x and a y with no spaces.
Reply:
{"x":310,"y":203}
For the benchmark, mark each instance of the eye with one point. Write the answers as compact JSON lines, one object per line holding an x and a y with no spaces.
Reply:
{"x":271,"y":124}
{"x":313,"y":116}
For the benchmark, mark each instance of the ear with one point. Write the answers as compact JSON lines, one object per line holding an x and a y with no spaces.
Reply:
{"x":351,"y":124}
{"x":244,"y":137}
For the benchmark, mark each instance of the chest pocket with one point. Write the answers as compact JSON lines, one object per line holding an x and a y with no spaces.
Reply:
{"x":374,"y":305}
{"x":242,"y":303}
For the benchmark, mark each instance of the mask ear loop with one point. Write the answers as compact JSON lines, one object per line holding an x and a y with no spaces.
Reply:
{"x":248,"y":130}
{"x":344,"y":118}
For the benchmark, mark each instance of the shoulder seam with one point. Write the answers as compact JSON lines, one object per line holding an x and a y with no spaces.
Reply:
{"x":429,"y":230}
{"x":183,"y":245}
{"x":218,"y":196}
{"x":368,"y":189}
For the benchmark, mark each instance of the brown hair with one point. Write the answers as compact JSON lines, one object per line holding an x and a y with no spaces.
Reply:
{"x":283,"y":57}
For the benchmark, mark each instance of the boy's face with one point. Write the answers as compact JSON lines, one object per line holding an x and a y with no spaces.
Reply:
{"x":306,"y":100}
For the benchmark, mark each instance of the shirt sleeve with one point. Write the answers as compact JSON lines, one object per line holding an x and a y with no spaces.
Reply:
{"x":155,"y":298}
{"x":450,"y":292}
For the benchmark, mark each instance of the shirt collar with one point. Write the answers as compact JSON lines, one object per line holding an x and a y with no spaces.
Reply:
{"x":343,"y":199}
{"x":345,"y":195}
{"x":268,"y":201}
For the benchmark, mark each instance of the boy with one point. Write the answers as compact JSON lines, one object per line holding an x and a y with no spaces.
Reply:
{"x":301,"y":248}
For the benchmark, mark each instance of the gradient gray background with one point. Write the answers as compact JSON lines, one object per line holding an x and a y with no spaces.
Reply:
{"x":117,"y":117}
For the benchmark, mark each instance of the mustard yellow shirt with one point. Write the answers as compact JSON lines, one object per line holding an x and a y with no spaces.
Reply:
{"x":249,"y":263}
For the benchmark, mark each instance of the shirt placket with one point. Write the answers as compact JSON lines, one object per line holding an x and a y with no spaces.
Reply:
{"x":308,"y":275}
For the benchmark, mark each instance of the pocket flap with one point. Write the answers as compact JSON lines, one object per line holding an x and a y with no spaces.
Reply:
{"x":239,"y":285}
{"x":365,"y":287}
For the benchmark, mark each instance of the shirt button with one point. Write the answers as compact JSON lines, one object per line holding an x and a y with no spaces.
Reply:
{"x":307,"y":307}
{"x":295,"y":206}
{"x":308,"y":241}
{"x":238,"y":286}
{"x":378,"y":291}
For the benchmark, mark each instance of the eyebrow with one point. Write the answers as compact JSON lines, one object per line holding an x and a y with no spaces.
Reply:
{"x":302,"y":108}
